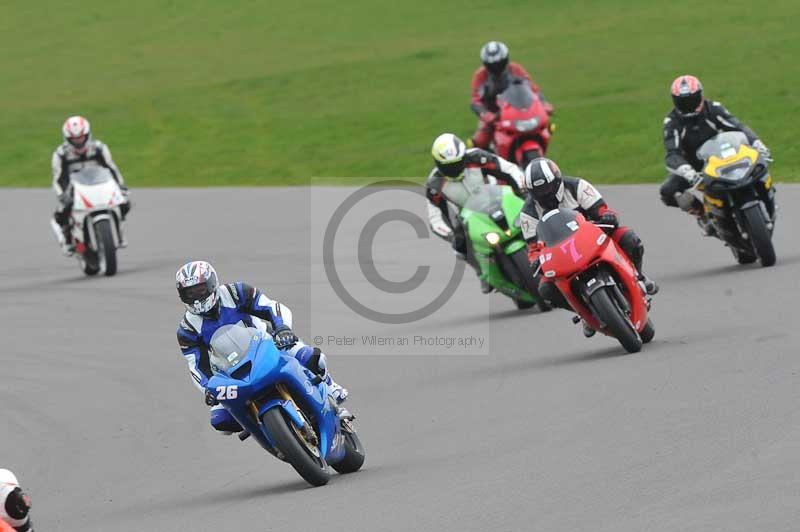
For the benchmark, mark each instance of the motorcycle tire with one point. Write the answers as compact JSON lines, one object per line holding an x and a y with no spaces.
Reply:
{"x":528,"y":156}
{"x":760,"y":236}
{"x":617,"y":322}
{"x":528,"y":281}
{"x":353,"y":455}
{"x":294,"y":452}
{"x":106,"y":248}
{"x":90,"y":263}
{"x":648,"y":332}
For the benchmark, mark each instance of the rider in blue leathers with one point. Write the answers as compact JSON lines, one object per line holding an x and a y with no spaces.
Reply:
{"x":210,"y":306}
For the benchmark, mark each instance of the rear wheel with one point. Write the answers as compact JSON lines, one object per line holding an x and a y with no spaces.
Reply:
{"x":105,"y":246}
{"x":353,"y":455}
{"x":615,"y":319}
{"x":295,"y":451}
{"x":527,"y":280}
{"x":760,"y":236}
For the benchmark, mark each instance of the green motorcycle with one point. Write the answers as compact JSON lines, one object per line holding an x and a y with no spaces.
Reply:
{"x":490,"y":217}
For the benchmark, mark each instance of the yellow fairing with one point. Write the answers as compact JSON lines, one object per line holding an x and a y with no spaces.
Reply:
{"x":715,"y":163}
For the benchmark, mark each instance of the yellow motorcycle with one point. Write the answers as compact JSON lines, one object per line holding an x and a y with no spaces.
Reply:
{"x":737,"y":197}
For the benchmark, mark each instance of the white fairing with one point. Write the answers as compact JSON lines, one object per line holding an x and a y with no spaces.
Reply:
{"x":95,"y":202}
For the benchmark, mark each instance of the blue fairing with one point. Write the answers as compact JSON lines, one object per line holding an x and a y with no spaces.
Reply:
{"x":270,"y":366}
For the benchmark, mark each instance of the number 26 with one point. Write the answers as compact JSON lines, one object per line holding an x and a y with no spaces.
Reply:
{"x":227,"y":392}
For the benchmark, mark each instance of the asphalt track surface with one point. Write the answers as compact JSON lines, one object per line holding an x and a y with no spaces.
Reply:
{"x":544,"y":431}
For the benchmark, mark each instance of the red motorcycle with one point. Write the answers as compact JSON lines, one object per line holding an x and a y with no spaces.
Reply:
{"x":522,"y":131}
{"x":596,"y":277}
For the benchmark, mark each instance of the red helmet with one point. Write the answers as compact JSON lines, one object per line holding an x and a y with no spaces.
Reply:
{"x":687,"y":95}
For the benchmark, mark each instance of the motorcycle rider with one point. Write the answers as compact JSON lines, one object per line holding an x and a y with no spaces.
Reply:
{"x":457,"y":172}
{"x":15,"y":505}
{"x":210,"y":305}
{"x":491,"y":79}
{"x":547,"y":190}
{"x":78,"y":151}
{"x":693,"y":121}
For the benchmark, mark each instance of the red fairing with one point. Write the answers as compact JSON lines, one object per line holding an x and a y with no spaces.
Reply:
{"x":589,"y":246}
{"x":511,"y":140}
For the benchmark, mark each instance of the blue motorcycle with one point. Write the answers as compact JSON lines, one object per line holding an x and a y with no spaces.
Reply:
{"x":283,"y":405}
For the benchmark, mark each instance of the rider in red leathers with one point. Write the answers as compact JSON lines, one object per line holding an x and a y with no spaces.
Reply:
{"x":490,"y":80}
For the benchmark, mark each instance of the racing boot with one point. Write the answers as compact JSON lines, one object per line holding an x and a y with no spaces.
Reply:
{"x":316,"y":361}
{"x":649,"y":285}
{"x":67,"y":246}
{"x":486,"y":287}
{"x":588,"y":332}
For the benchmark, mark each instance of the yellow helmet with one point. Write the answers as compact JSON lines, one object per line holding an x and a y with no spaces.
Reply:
{"x":448,"y":152}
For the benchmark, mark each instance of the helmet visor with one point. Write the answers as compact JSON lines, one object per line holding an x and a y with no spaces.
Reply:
{"x":197,"y":292}
{"x":451,"y":170}
{"x":497,"y":68}
{"x":689,"y":103}
{"x":546,"y":194}
{"x":79,"y":141}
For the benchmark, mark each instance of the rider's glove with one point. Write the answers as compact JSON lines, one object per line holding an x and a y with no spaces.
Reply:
{"x":762,"y":149}
{"x":211,"y":399}
{"x":688,"y":173}
{"x":534,"y":250}
{"x":284,"y":337}
{"x":608,"y":218}
{"x":488,"y":117}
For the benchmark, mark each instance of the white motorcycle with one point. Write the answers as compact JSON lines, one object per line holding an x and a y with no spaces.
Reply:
{"x":96,"y":220}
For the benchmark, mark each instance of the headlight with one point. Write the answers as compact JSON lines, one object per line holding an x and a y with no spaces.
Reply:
{"x":492,"y":238}
{"x":526,"y":125}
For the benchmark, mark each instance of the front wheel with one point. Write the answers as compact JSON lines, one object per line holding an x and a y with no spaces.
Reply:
{"x":106,"y":249}
{"x":617,"y":322}
{"x":528,"y":156}
{"x":294,"y":451}
{"x":353,"y":455}
{"x":760,"y":236}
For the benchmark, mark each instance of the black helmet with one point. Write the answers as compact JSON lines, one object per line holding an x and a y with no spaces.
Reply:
{"x":544,"y":183}
{"x":687,"y":95}
{"x":494,"y":56}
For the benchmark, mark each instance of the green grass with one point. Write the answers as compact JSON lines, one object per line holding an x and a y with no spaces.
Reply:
{"x":242,"y":92}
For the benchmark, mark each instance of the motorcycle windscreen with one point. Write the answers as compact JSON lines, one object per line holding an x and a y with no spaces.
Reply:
{"x":557,"y":226}
{"x":230,"y":345}
{"x":722,"y":146}
{"x":91,"y":175}
{"x":518,"y":94}
{"x":487,"y":199}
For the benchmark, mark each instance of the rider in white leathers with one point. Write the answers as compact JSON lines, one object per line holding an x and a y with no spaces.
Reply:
{"x":78,"y":151}
{"x":15,"y":505}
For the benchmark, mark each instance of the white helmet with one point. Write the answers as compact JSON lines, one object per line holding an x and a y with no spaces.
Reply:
{"x":448,"y":152}
{"x":7,"y":478}
{"x":77,"y":132}
{"x":197,"y":284}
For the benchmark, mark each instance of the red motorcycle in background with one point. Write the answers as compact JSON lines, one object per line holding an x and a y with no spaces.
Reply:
{"x":598,"y":280}
{"x":522,"y":131}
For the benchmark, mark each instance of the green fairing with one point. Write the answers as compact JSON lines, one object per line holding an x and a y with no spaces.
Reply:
{"x":476,"y":216}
